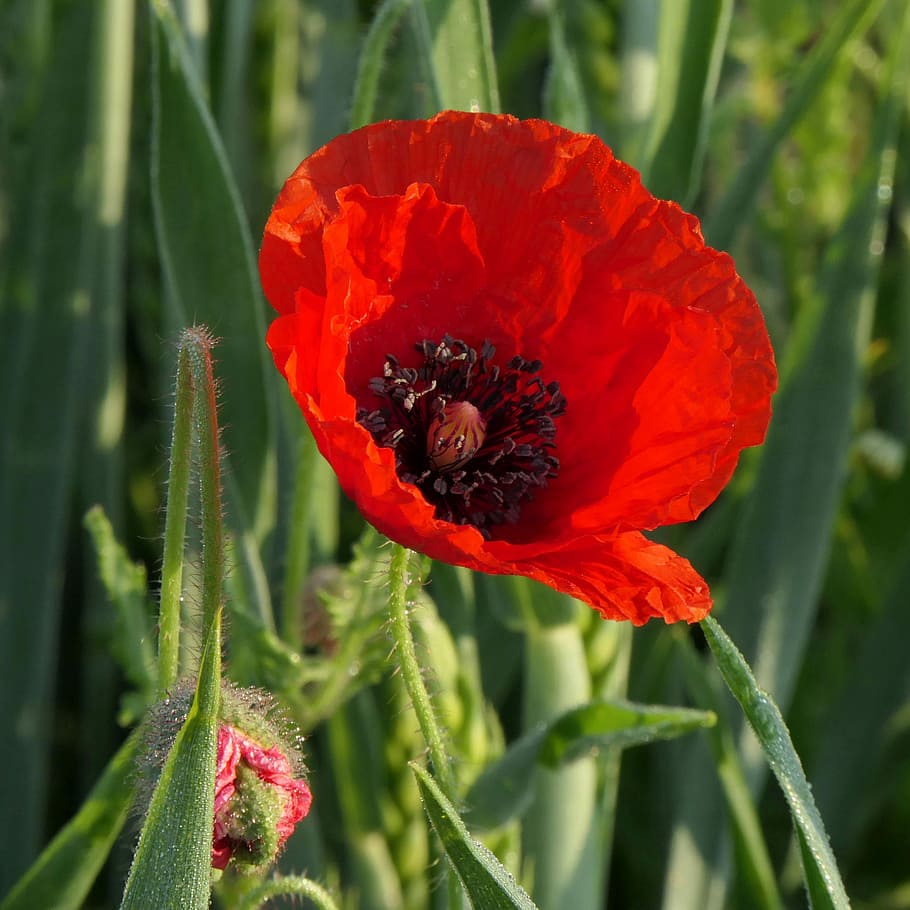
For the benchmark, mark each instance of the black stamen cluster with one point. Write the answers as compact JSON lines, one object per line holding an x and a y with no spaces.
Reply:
{"x":518,"y":410}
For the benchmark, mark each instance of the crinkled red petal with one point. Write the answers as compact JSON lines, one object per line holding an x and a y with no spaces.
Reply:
{"x":537,"y":239}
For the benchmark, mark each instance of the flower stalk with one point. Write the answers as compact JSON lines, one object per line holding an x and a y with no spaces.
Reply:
{"x":178,"y":487}
{"x":399,"y":582}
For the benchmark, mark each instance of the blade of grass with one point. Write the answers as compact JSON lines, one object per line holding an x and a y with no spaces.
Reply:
{"x":823,"y":880}
{"x":779,"y":553}
{"x":563,"y":95}
{"x":173,"y":862}
{"x":849,"y":754}
{"x":65,"y":872}
{"x":46,"y":318}
{"x":503,"y":790}
{"x":210,"y":275}
{"x":733,"y":210}
{"x":752,"y":852}
{"x":486,"y":881}
{"x":692,"y":38}
{"x":384,"y":25}
{"x":102,"y":450}
{"x":462,"y":53}
{"x":560,"y":830}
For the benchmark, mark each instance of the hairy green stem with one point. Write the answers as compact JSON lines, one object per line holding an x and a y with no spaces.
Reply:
{"x":178,"y":486}
{"x":198,"y":344}
{"x":410,"y":669}
{"x":288,"y":884}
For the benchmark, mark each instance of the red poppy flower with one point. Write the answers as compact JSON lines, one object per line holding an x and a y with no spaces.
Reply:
{"x":514,"y":357}
{"x":258,"y":801}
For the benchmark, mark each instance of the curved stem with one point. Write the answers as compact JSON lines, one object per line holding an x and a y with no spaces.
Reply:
{"x":399,"y":582}
{"x":288,"y":884}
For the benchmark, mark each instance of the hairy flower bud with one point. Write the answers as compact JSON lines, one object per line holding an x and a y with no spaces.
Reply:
{"x":260,"y":791}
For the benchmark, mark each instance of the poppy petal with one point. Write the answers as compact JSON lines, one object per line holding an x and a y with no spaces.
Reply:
{"x":537,"y":241}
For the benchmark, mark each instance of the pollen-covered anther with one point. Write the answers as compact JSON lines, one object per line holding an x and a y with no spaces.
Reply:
{"x":455,"y":435}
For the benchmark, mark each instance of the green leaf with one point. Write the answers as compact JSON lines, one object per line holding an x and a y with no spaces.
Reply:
{"x":172,"y":866}
{"x":779,"y":553}
{"x":752,"y":854}
{"x":504,"y":790}
{"x":462,"y":53}
{"x":563,"y":95}
{"x":375,"y":44}
{"x":691,"y":40}
{"x":211,"y":278}
{"x":50,"y":259}
{"x":64,"y":873}
{"x":616,"y":724}
{"x":488,"y":884}
{"x":823,"y":880}
{"x":733,"y":210}
{"x":125,"y":584}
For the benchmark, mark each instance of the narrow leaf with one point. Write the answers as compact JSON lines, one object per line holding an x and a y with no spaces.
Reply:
{"x":780,"y":554}
{"x":125,"y":584}
{"x":210,"y":274}
{"x":48,"y":263}
{"x":503,"y":791}
{"x":768,"y":724}
{"x":721,"y":227}
{"x":375,"y":44}
{"x":616,"y":724}
{"x":564,"y":97}
{"x":462,"y":53}
{"x":172,"y":866}
{"x":691,"y":42}
{"x":487,"y":882}
{"x":65,"y":872}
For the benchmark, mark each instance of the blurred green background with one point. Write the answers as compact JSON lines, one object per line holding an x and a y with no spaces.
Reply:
{"x":141,"y":147}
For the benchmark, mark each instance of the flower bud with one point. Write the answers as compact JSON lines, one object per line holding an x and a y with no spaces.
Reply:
{"x":260,"y":791}
{"x":258,"y":801}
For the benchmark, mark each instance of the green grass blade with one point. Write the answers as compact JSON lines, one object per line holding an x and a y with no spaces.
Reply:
{"x":383,"y":27}
{"x":753,"y":859}
{"x":768,"y":724}
{"x":783,"y":542}
{"x":486,"y":881}
{"x":563,"y":95}
{"x":462,"y":53}
{"x":49,"y":261}
{"x":64,"y":873}
{"x":734,"y":208}
{"x":172,"y":866}
{"x":103,"y":451}
{"x":127,"y":589}
{"x":504,"y":789}
{"x":692,"y":37}
{"x":849,"y":755}
{"x":560,"y":831}
{"x":210,"y":272}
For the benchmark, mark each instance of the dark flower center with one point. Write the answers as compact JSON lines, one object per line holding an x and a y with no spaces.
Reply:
{"x":476,"y":438}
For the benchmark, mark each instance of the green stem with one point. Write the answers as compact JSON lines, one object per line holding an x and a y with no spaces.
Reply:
{"x":178,"y":487}
{"x":298,"y":550}
{"x":561,"y":830}
{"x":198,"y":344}
{"x":399,"y":582}
{"x":288,"y":884}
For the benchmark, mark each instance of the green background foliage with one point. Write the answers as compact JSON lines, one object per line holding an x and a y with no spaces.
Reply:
{"x":141,"y":145}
